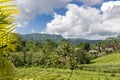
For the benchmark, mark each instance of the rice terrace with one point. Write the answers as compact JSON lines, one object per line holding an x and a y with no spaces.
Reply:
{"x":59,"y":40}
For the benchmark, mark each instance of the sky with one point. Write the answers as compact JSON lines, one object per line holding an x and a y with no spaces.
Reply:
{"x":89,"y":19}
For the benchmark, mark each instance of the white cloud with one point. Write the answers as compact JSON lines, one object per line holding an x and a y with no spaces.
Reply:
{"x":33,"y":31}
{"x":91,"y":2}
{"x":86,"y":22}
{"x":21,"y":24}
{"x":75,"y":23}
{"x":107,"y":27}
{"x":30,"y":8}
{"x":109,"y":5}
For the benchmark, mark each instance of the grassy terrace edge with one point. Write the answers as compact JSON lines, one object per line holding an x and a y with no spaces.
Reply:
{"x":36,"y":73}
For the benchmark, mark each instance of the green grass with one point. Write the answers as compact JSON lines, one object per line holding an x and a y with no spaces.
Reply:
{"x":104,"y":68}
{"x":111,"y":58}
{"x":106,"y":64}
{"x":6,"y":70}
{"x":36,"y":73}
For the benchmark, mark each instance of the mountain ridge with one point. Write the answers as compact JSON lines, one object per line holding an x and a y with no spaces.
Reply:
{"x":56,"y":38}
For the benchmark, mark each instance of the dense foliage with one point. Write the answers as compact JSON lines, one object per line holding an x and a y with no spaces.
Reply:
{"x":103,"y":68}
{"x":53,"y":53}
{"x":6,"y":26}
{"x":60,"y":54}
{"x":50,"y":54}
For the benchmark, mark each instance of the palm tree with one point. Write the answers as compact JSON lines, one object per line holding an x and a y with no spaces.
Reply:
{"x":6,"y":26}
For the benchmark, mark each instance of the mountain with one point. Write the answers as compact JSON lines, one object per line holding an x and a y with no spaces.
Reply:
{"x":79,"y":40}
{"x":42,"y":37}
{"x":56,"y":38}
{"x":113,"y":38}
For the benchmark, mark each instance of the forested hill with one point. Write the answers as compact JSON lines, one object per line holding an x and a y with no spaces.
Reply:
{"x":79,"y":40}
{"x":42,"y":37}
{"x":56,"y":38}
{"x":113,"y":38}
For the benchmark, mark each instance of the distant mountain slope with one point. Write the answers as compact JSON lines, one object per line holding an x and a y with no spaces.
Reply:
{"x":56,"y":38}
{"x":42,"y":37}
{"x":113,"y":38}
{"x":79,"y":40}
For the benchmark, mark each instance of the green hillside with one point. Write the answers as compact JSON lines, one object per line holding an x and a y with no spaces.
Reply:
{"x":41,"y":37}
{"x":113,"y":38}
{"x":56,"y":38}
{"x":103,"y":68}
{"x":105,"y":64}
{"x":79,"y":40}
{"x":111,"y":58}
{"x":36,"y":73}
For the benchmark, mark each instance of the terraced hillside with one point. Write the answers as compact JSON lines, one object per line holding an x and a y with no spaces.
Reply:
{"x":111,"y":58}
{"x":106,"y":64}
{"x":62,"y":74}
{"x":103,"y":68}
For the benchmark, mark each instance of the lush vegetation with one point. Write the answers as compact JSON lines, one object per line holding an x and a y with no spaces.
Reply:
{"x":6,"y":26}
{"x":56,"y":38}
{"x":53,"y":58}
{"x":111,"y":58}
{"x":50,"y":54}
{"x":36,"y":73}
{"x":83,"y":61}
{"x":95,"y":71}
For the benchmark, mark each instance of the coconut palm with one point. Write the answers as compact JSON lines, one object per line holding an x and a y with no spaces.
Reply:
{"x":6,"y":22}
{"x":7,"y":10}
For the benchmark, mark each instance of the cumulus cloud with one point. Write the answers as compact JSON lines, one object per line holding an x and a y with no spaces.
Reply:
{"x":75,"y":23}
{"x":108,"y":27}
{"x":86,"y":22}
{"x":91,"y":2}
{"x":30,"y":8}
{"x":109,"y":5}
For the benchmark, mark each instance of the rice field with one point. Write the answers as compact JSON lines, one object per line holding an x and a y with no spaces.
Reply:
{"x":36,"y":73}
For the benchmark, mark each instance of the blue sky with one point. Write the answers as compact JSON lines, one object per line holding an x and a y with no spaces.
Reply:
{"x":91,"y":19}
{"x":38,"y":23}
